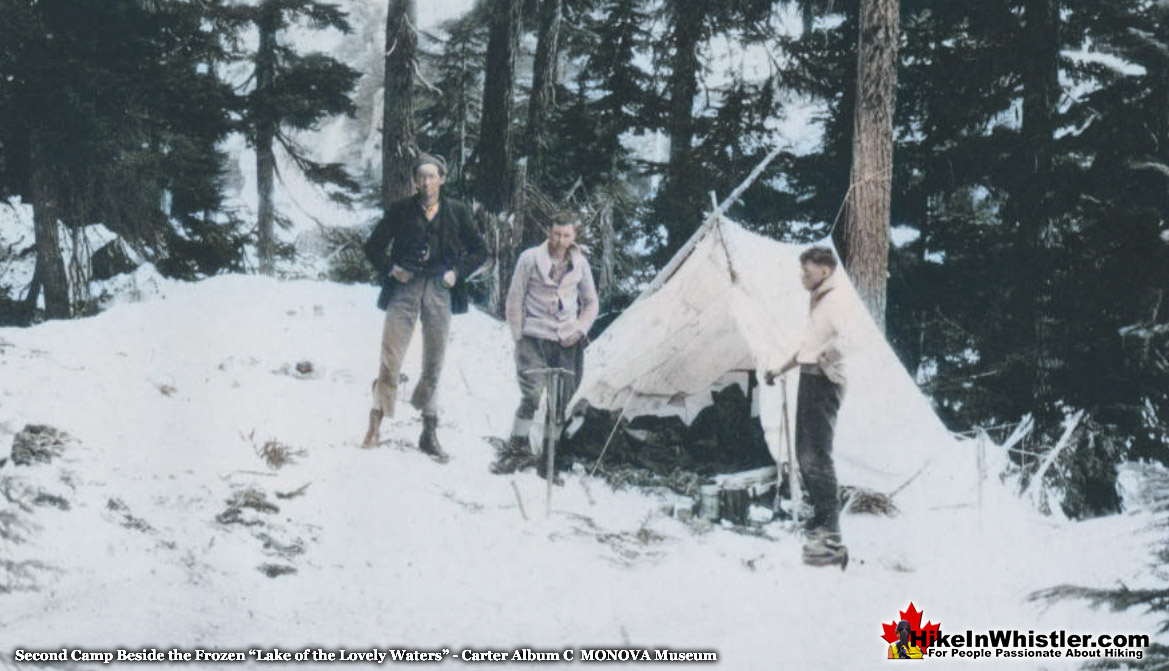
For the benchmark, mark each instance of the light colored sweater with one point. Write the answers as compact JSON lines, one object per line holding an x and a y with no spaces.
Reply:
{"x":541,"y":306}
{"x":824,"y":342}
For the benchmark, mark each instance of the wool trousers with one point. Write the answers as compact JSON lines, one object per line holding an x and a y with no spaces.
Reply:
{"x":535,"y":353}
{"x":818,"y":401}
{"x":422,"y":299}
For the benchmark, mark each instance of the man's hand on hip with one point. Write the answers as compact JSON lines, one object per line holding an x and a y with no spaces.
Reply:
{"x":570,"y":339}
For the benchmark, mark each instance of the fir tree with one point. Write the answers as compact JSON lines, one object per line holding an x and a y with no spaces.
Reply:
{"x":610,"y":95}
{"x":449,"y":113}
{"x":112,"y":113}
{"x":495,"y":151}
{"x":291,"y":92}
{"x":401,"y":67}
{"x":542,"y":100}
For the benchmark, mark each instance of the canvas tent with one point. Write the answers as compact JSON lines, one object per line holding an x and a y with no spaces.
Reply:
{"x":731,"y":302}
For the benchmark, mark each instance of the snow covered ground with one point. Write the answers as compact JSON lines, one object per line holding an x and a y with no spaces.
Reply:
{"x":160,"y":526}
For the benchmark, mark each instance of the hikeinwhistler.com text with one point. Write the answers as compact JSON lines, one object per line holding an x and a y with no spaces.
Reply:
{"x":1007,"y":644}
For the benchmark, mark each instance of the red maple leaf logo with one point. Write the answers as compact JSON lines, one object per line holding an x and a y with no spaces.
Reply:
{"x":913,"y":616}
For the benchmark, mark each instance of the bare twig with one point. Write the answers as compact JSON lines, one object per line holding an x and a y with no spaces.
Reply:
{"x":1072,"y":424}
{"x":613,"y":432}
{"x":519,"y":500}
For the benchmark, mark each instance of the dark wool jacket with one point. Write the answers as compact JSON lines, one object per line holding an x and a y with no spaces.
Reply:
{"x":404,"y":225}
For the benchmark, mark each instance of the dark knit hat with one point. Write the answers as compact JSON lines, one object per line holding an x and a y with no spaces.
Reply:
{"x":431,"y":159}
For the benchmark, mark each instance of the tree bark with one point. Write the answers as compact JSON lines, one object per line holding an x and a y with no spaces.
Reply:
{"x":49,"y":272}
{"x":607,"y":280}
{"x":399,"y":147}
{"x":511,"y":241}
{"x":494,"y":174}
{"x":543,"y":86}
{"x":682,"y":188}
{"x":865,"y":240}
{"x":266,"y":123}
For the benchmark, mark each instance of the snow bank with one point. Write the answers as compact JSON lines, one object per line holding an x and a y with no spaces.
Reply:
{"x":16,"y":236}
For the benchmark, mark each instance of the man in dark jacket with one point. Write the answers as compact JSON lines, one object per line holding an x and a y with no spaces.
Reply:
{"x":423,"y":248}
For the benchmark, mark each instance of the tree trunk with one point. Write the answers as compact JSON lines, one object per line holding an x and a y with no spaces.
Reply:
{"x":49,"y":272}
{"x":265,"y":117}
{"x":464,"y":112}
{"x":607,"y":280}
{"x":398,"y":143}
{"x":1041,"y":91}
{"x":682,"y":189}
{"x":512,"y":241}
{"x":543,"y":86}
{"x":495,"y":150}
{"x":865,"y":240}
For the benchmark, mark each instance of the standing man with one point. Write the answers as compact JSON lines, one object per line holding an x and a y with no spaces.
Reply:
{"x":551,"y":305}
{"x":423,"y":248}
{"x":822,"y":382}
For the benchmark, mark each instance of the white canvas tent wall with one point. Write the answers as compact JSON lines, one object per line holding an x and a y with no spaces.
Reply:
{"x":731,"y":300}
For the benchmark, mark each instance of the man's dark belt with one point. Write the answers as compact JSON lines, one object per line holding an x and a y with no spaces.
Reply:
{"x":811,"y":369}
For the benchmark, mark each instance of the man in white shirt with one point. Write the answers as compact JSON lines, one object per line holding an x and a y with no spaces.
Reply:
{"x":551,"y":304}
{"x":821,"y":388}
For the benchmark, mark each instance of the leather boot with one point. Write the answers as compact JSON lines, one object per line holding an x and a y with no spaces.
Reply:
{"x":824,"y":548}
{"x":516,"y":453}
{"x":519,"y":441}
{"x":428,"y":441}
{"x":371,"y":433}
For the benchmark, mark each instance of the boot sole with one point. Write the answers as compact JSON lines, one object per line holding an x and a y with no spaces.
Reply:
{"x":440,"y":458}
{"x":841,"y":560}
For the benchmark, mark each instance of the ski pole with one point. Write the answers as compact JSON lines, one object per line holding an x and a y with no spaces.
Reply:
{"x":795,"y":491}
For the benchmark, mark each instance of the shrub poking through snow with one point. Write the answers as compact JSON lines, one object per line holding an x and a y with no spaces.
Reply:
{"x":858,"y":500}
{"x":246,"y":499}
{"x":274,"y":453}
{"x":275,"y":570}
{"x":37,"y":443}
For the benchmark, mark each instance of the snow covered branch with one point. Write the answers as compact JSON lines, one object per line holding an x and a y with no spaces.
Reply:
{"x":1150,"y":165}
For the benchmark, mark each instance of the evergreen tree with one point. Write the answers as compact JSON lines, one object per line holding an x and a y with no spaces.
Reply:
{"x":865,"y":236}
{"x":610,"y":95}
{"x":683,"y":197}
{"x":449,"y":114}
{"x":1034,"y":183}
{"x":401,"y":67}
{"x":292,"y":92}
{"x":494,"y":170}
{"x":542,"y":98}
{"x":112,"y":113}
{"x":820,"y":67}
